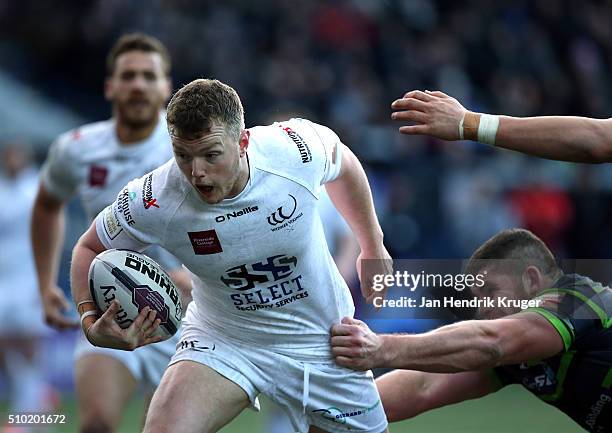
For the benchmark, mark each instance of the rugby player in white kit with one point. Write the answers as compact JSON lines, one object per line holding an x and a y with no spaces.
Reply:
{"x":238,"y":208}
{"x":94,"y":162}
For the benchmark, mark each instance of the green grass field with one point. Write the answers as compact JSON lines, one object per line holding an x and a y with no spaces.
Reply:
{"x":511,"y":410}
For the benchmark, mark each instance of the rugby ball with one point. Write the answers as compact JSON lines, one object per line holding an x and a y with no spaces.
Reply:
{"x":136,"y":281}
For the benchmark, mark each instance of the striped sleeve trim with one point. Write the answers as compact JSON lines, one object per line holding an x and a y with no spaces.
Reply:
{"x":566,"y":333}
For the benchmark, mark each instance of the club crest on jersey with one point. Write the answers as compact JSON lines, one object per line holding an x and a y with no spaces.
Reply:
{"x":97,"y":175}
{"x":283,"y":216}
{"x":147,"y":193}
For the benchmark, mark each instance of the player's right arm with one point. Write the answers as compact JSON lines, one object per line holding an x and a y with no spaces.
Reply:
{"x":58,"y":182}
{"x":103,"y":330}
{"x":463,"y":346}
{"x":407,"y":393}
{"x":565,"y":138}
{"x":125,"y":224}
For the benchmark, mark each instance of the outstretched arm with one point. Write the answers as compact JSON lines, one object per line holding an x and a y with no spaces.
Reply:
{"x":565,"y":138}
{"x":407,"y":393}
{"x":464,"y":346}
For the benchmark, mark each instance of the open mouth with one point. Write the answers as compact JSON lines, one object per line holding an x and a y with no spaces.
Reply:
{"x":205,"y":189}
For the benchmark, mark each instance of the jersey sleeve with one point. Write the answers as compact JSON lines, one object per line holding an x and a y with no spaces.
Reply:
{"x":59,"y":173}
{"x":326,"y":152}
{"x":298,"y":149}
{"x":131,"y":222}
{"x":580,"y":311}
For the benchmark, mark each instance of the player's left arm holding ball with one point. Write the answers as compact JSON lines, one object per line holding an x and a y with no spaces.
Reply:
{"x":102,"y":330}
{"x":351,"y":195}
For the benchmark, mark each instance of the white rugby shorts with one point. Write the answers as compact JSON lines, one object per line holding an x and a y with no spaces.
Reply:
{"x":333,"y":398}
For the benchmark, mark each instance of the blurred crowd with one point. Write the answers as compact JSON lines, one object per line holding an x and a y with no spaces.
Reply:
{"x":341,"y":63}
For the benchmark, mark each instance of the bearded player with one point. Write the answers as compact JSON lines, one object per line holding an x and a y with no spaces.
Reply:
{"x":94,"y":162}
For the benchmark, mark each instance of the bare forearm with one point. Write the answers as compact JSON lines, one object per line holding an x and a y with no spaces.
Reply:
{"x":449,"y":349}
{"x":352,"y":196}
{"x":84,"y":252}
{"x":79,"y":270}
{"x":47,"y":232}
{"x":576,"y":139}
{"x":565,"y":138}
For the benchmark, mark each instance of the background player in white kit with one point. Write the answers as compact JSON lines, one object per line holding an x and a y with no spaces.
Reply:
{"x":22,"y":320}
{"x":266,"y":290}
{"x":95,"y":161}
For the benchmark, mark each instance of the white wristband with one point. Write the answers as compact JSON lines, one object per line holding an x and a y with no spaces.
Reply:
{"x":461,"y":127}
{"x":487,"y":130}
{"x":87,"y":314}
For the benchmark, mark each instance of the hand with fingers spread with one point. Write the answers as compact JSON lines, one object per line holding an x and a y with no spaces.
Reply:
{"x":105,"y":332}
{"x":432,"y":113}
{"x":55,"y":304}
{"x":355,"y":346}
{"x":370,"y":263}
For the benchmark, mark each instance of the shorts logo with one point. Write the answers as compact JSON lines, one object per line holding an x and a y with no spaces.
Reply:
{"x":97,"y":175}
{"x":147,"y":193}
{"x":338,"y":415}
{"x":205,"y":242}
{"x":191,"y":344}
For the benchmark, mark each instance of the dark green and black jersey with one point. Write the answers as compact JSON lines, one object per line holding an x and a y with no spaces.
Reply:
{"x":578,"y":381}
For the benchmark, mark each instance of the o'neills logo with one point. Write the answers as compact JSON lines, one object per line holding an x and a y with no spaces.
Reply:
{"x":147,"y":193}
{"x":231,"y":215}
{"x":300,"y":143}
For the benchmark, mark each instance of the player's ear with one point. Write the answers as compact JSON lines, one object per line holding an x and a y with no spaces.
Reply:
{"x":167,"y":88}
{"x":108,"y":89}
{"x":532,"y":280}
{"x":245,"y":135}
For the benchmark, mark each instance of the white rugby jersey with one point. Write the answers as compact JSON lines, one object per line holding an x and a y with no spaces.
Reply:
{"x":90,"y":162}
{"x":263,"y":272}
{"x":17,"y":272}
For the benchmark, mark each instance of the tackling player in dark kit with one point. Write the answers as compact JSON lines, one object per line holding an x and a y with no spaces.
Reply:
{"x":561,"y":350}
